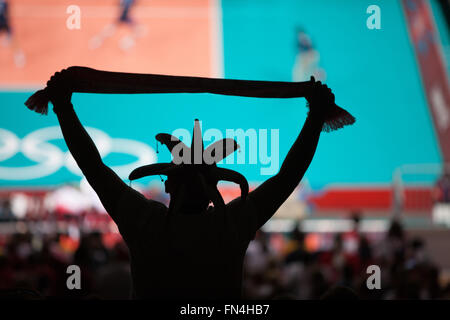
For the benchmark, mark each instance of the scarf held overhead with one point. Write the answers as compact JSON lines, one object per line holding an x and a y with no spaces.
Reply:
{"x":88,"y":80}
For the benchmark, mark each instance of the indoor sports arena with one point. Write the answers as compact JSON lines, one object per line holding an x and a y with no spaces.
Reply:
{"x":377,"y":192}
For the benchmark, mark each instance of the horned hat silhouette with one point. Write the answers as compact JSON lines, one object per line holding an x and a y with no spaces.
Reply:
{"x":196,"y":160}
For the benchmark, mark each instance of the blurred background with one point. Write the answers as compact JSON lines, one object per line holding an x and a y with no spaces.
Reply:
{"x":377,"y":192}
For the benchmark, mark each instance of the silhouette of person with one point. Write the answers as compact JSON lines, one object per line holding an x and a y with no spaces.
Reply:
{"x":123,"y":19}
{"x":189,"y":249}
{"x":10,"y":39}
{"x":307,"y":59}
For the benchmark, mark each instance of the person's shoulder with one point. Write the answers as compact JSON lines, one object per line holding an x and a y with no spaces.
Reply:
{"x":241,"y":201}
{"x":137,"y":201}
{"x":239,"y":204}
{"x":156,"y":205}
{"x":233,"y":204}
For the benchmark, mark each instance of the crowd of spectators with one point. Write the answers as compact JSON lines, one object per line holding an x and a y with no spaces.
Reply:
{"x":406,"y":271}
{"x":277,"y":266}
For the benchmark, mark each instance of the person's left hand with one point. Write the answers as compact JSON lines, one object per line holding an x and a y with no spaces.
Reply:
{"x":59,"y":89}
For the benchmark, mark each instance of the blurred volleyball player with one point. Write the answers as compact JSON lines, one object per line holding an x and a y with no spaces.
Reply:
{"x":124,"y":18}
{"x":307,"y":59}
{"x":6,"y":31}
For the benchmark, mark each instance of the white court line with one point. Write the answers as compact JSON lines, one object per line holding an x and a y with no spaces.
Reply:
{"x":40,"y":11}
{"x":30,"y":87}
{"x":217,"y":63}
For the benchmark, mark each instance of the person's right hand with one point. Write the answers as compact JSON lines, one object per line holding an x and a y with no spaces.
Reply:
{"x":59,"y":89}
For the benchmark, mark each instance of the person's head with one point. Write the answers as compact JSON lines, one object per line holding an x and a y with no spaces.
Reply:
{"x":189,"y":190}
{"x":95,"y":240}
{"x":356,"y":219}
{"x":395,"y":230}
{"x":303,"y":37}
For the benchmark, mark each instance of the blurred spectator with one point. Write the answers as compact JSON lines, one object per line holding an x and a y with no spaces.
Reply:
{"x":6,"y":213}
{"x":441,"y":195}
{"x":443,"y":189}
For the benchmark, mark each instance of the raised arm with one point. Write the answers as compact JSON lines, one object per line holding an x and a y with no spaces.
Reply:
{"x":270,"y":195}
{"x":108,"y":186}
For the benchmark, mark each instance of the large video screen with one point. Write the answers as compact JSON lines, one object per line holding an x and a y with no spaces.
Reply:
{"x":373,"y":73}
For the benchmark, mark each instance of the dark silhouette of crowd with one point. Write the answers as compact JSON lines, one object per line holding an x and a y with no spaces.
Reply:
{"x":33,"y":266}
{"x":406,"y":270}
